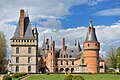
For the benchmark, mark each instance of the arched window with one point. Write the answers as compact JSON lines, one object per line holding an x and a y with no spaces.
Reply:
{"x":66,"y":62}
{"x":72,"y":63}
{"x":64,"y":56}
{"x":17,"y":59}
{"x":70,"y":56}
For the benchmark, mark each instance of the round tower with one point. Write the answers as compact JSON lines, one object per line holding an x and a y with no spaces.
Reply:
{"x":91,"y":50}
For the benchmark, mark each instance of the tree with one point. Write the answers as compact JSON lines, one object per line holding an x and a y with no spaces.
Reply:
{"x":111,"y":58}
{"x":118,"y":57}
{"x":3,"y":52}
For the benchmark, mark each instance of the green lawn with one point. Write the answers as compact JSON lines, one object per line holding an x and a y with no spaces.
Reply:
{"x":85,"y":76}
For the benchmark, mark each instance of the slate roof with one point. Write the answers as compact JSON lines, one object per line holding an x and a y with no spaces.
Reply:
{"x":28,"y":34}
{"x":92,"y":35}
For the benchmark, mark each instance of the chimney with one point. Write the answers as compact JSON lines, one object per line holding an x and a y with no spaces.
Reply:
{"x":63,"y":44}
{"x":21,"y":23}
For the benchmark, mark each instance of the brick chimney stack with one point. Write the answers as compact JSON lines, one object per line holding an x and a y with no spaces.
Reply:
{"x":63,"y":44}
{"x":21,"y":23}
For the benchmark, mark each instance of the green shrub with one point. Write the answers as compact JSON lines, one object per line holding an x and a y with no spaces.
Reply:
{"x":78,"y":77}
{"x":7,"y":77}
{"x":68,"y":77}
{"x":15,"y":75}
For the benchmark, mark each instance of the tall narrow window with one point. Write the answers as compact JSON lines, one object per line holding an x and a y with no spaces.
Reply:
{"x":29,"y":68}
{"x":72,"y":63}
{"x":17,"y":59}
{"x":29,"y":59}
{"x":61,"y":62}
{"x":66,"y":62}
{"x":17,"y":50}
{"x":82,"y":61}
{"x":17,"y":68}
{"x":29,"y":50}
{"x":64,"y":56}
{"x":61,"y":55}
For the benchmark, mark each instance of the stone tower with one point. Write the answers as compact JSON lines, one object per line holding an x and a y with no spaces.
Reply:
{"x":91,"y":50}
{"x":24,"y":46}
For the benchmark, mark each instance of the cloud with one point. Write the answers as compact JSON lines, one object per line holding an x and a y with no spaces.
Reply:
{"x":107,"y":35}
{"x":108,"y":12}
{"x":38,"y":8}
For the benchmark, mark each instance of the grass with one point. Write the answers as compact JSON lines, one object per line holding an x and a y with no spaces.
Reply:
{"x":85,"y":76}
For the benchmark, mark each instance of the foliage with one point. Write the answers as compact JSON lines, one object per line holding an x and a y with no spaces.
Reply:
{"x":7,"y":77}
{"x":17,"y":75}
{"x":3,"y":53}
{"x":68,"y":77}
{"x":118,"y":57}
{"x":77,"y":77}
{"x":111,"y":59}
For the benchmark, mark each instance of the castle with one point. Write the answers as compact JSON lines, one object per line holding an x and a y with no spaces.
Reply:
{"x":27,"y":57}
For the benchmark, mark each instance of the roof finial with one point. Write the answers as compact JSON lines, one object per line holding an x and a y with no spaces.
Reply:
{"x":27,"y":13}
{"x":91,"y":21}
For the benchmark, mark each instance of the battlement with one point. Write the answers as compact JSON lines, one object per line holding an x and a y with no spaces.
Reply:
{"x":24,"y":42}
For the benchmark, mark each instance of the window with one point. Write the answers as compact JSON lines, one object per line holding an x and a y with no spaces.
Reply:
{"x":17,"y":68}
{"x":29,"y":50}
{"x":29,"y":68}
{"x":72,"y":63}
{"x":88,"y":44}
{"x":82,"y":61}
{"x":72,"y":50}
{"x":56,"y":69}
{"x":29,"y":59}
{"x":70,"y":56}
{"x":33,"y":40}
{"x":61,"y":62}
{"x":17,"y":59}
{"x":17,"y":50}
{"x":64,"y":56}
{"x":61,"y":56}
{"x":56,"y":63}
{"x":66,"y":62}
{"x":95,"y":44}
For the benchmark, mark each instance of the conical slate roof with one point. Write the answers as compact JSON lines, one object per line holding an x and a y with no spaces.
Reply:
{"x":92,"y":35}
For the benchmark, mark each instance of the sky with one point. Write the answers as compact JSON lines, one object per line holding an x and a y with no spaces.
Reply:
{"x":65,"y":18}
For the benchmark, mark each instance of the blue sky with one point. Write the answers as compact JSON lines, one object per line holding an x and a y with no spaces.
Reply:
{"x":81,"y":14}
{"x":65,"y":18}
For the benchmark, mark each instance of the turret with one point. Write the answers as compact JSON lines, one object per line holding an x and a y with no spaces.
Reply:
{"x":91,"y":50}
